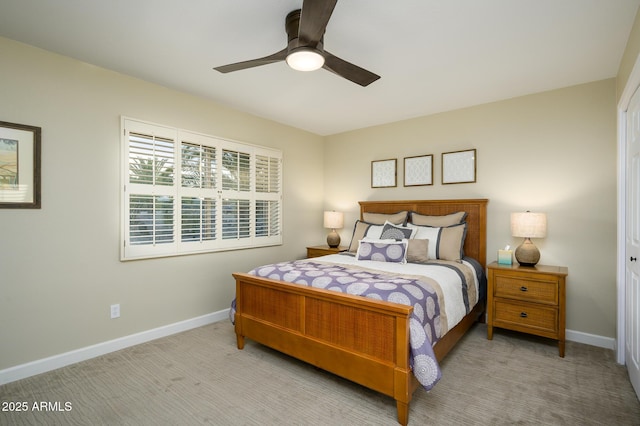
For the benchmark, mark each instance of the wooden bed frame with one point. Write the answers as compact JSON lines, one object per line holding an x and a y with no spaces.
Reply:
{"x":363,"y":340}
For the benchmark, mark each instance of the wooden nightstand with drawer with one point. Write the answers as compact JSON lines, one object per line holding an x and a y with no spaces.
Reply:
{"x":528,"y":299}
{"x":318,"y":251}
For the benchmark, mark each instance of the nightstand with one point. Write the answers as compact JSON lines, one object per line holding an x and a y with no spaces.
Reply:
{"x":318,"y":251}
{"x":528,"y":299}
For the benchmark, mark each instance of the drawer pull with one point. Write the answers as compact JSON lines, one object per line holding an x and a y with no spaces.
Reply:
{"x":523,"y":315}
{"x":523,"y":288}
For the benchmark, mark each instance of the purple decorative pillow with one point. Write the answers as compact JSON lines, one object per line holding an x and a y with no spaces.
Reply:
{"x":383,"y":251}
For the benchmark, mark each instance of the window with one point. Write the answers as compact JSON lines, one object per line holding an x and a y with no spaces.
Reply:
{"x":185,"y":192}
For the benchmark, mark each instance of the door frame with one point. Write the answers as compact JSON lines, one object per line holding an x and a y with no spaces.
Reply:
{"x":623,"y":104}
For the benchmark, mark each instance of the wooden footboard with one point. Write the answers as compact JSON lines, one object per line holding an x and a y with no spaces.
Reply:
{"x":363,"y":340}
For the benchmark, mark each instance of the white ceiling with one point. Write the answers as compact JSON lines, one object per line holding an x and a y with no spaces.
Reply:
{"x":432,"y":55}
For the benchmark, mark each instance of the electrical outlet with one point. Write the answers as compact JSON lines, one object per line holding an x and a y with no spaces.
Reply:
{"x":115,"y":311}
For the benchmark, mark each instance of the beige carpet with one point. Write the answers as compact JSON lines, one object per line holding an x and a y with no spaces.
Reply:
{"x":199,"y":377}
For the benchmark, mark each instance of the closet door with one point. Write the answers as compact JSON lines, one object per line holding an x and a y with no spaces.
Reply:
{"x":632,"y":243}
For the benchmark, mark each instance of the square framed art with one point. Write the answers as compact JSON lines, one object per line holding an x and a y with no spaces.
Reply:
{"x":383,"y":173}
{"x":459,"y":167}
{"x":418,"y":171}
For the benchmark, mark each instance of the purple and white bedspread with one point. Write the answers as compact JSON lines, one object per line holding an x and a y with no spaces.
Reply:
{"x":430,"y":288}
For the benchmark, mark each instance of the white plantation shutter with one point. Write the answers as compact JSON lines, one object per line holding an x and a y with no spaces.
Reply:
{"x":267,"y":218}
{"x":268,"y":196}
{"x":198,"y":167}
{"x":151,"y":159}
{"x":151,"y":219}
{"x":198,"y":216}
{"x":187,"y":193}
{"x":236,"y":171}
{"x":150,"y":191}
{"x":198,"y":192}
{"x":236,"y":219}
{"x":237,"y":195}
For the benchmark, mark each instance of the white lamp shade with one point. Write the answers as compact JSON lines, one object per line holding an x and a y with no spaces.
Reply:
{"x":529,"y":225}
{"x":333,"y":220}
{"x":305,"y":60}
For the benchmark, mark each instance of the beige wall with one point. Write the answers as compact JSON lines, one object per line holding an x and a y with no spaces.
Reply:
{"x":59,"y":266}
{"x":553,"y":152}
{"x":629,"y":57}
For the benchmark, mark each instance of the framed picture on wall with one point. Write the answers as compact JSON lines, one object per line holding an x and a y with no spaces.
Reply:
{"x":19,"y":166}
{"x":383,"y":173}
{"x":418,"y":171}
{"x":459,"y":167}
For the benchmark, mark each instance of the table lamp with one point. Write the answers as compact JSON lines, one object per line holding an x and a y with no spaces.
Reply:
{"x":528,"y":225}
{"x":333,"y":220}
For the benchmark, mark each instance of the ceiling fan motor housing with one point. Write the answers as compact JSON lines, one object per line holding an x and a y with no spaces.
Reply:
{"x":292,"y":26}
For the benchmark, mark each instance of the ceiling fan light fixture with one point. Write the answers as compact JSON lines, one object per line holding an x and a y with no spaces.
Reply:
{"x":305,"y":59}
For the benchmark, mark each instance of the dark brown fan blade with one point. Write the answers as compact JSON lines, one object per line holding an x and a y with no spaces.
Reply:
{"x":276,"y":57}
{"x":314,"y":19}
{"x":348,"y":70}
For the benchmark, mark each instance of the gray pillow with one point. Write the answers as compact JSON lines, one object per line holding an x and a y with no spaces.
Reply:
{"x":390,"y":232}
{"x":359,"y":231}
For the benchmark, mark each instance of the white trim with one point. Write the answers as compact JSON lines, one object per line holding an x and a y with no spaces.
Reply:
{"x":22,"y":371}
{"x":621,"y":235}
{"x":623,"y":104}
{"x":590,"y":339}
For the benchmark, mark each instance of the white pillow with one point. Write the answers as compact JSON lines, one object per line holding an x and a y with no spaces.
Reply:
{"x":427,"y":233}
{"x":374,"y":232}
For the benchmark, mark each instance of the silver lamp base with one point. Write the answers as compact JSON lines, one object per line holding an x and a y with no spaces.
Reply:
{"x":527,"y":254}
{"x":333,"y":239}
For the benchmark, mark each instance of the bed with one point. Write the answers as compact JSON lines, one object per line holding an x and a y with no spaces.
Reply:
{"x":317,"y":325}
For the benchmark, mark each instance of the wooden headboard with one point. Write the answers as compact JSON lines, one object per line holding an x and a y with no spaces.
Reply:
{"x":475,"y":243}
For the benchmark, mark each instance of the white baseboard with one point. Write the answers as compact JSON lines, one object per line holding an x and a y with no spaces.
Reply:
{"x":590,"y":339}
{"x":29,"y":369}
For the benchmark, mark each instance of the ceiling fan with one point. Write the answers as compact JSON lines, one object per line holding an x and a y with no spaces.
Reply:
{"x":305,"y":48}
